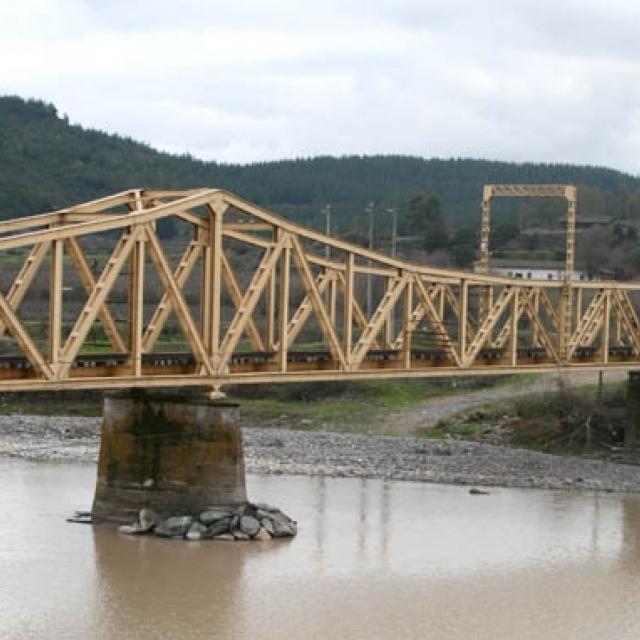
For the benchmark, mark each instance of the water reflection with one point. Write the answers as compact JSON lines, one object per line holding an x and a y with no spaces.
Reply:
{"x":152,"y":584}
{"x":372,"y":559}
{"x":629,"y":556}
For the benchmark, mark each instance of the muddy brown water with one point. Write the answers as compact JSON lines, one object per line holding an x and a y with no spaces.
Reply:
{"x":373,"y":559}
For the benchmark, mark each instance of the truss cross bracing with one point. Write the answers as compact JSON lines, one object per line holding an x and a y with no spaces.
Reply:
{"x":95,"y":296}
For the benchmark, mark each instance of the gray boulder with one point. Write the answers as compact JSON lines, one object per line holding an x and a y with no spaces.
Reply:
{"x":215,"y":513}
{"x":267,"y":524}
{"x":131,"y":529}
{"x":283,"y":526}
{"x":148,"y":519}
{"x":219,"y":527}
{"x":197,"y":531}
{"x":174,"y":527}
{"x":249,"y":525}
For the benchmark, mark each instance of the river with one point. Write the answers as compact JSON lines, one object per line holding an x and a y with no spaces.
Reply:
{"x":372,"y":559}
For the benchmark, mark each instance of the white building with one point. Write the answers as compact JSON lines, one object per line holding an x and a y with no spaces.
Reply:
{"x":534,"y":270}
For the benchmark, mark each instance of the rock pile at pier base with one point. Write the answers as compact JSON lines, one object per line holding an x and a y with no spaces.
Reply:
{"x":246,"y":522}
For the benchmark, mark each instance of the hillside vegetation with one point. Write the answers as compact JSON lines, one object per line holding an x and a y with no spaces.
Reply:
{"x":49,"y":163}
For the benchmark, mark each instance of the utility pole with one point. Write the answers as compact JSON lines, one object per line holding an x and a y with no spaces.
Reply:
{"x":394,"y":241}
{"x":394,"y":230}
{"x":370,"y":211}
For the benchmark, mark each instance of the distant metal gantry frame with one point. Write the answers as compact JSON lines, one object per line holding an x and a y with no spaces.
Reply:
{"x":277,"y":280}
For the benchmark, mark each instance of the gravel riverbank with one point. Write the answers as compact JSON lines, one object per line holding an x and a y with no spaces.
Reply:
{"x":282,"y":451}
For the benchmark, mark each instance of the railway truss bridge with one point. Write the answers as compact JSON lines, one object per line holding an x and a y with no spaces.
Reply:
{"x":95,"y":296}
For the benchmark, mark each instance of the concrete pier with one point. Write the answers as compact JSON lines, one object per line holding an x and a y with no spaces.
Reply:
{"x":174,"y":454}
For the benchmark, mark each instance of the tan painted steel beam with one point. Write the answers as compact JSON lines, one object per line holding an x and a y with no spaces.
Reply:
{"x":319,"y":309}
{"x":249,"y":301}
{"x":25,"y":277}
{"x":179,"y":304}
{"x":380,"y":315}
{"x":89,"y":282}
{"x":95,"y":301}
{"x":236,"y":296}
{"x":165,"y":305}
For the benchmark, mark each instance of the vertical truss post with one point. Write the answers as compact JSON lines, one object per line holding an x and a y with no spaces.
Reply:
{"x":462,"y":318}
{"x":390,"y":319}
{"x":55,"y":302}
{"x":406,"y":324}
{"x":333,"y":297}
{"x":515,"y":310}
{"x":285,"y":268}
{"x":270,"y":309}
{"x":212,"y":343}
{"x":571,"y":194}
{"x":606,"y":311}
{"x":578,"y":309}
{"x":613,"y":301}
{"x":485,"y":229}
{"x":347,"y":332}
{"x":535,"y":337}
{"x":442,"y":296}
{"x":206,"y":290}
{"x":484,"y":261}
{"x":136,"y":304}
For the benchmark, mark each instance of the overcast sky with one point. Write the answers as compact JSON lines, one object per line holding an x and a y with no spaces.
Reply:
{"x":244,"y":80}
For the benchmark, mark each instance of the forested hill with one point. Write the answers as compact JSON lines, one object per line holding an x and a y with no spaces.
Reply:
{"x":47,"y":163}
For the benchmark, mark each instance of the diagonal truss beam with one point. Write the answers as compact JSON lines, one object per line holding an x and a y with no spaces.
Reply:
{"x":165,"y":305}
{"x":236,"y":296}
{"x":488,"y":325}
{"x":317,"y":303}
{"x":443,"y":337}
{"x":541,"y":331}
{"x":89,"y":283}
{"x":357,"y":313}
{"x":179,"y":304}
{"x":589,"y":325}
{"x":249,"y":301}
{"x":416,"y":316}
{"x":507,"y":330}
{"x":95,"y":301}
{"x":628,"y":318}
{"x":302,"y":313}
{"x":25,"y":277}
{"x":379,"y":317}
{"x":17,"y":330}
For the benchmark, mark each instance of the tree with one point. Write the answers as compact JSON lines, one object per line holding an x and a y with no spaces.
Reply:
{"x":423,"y":217}
{"x":503,"y":232}
{"x":463,"y":245}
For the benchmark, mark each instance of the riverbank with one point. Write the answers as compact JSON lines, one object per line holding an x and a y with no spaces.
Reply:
{"x":284,"y":451}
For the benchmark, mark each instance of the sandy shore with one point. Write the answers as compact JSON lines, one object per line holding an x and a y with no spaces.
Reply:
{"x":282,"y":451}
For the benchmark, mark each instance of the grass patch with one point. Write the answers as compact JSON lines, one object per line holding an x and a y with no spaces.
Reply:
{"x":573,"y":421}
{"x":448,"y":429}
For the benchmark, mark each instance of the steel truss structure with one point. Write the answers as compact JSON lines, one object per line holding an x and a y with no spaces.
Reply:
{"x":296,"y":314}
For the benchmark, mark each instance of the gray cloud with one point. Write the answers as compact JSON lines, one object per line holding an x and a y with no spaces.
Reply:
{"x":249,"y":80}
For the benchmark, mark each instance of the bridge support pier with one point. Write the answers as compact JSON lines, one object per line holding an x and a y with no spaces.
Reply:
{"x":632,"y":431}
{"x":174,"y":454}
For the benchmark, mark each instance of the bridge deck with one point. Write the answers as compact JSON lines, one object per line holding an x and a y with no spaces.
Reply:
{"x":113,"y":370}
